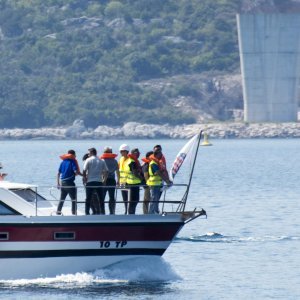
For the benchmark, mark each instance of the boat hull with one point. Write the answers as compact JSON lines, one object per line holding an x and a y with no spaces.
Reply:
{"x":42,"y":246}
{"x":31,"y":268}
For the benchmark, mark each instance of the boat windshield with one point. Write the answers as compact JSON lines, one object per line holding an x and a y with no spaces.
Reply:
{"x":31,"y":196}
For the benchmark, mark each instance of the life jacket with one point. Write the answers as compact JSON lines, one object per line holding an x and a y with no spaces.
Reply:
{"x":162,"y":166}
{"x":123,"y":170}
{"x":131,"y":177}
{"x":160,"y":162}
{"x":145,"y":165}
{"x":133,"y":157}
{"x":108,"y":155}
{"x":163,"y":162}
{"x":73,"y":157}
{"x":146,"y":160}
{"x":153,"y":180}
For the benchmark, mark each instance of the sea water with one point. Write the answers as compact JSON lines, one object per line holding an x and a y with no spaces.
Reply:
{"x":248,"y":247}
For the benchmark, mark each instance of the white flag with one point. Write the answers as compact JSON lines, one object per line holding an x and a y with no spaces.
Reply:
{"x":182,"y":155}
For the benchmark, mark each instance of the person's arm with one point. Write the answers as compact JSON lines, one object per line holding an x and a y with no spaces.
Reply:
{"x":146,"y":175}
{"x":146,"y":171}
{"x":104,"y":176}
{"x":135,"y":170}
{"x":162,"y":173}
{"x":84,"y":173}
{"x":104,"y":172}
{"x":116,"y":168}
{"x":165,"y":176}
{"x":84,"y":177}
{"x":75,"y":168}
{"x":58,"y":179}
{"x":118,"y":176}
{"x":58,"y":175}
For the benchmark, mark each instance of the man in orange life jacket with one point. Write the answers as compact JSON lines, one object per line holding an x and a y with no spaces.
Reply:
{"x":162,"y":160}
{"x":157,"y":174}
{"x":145,"y":167}
{"x":113,"y":168}
{"x":134,"y":179}
{"x":67,"y":171}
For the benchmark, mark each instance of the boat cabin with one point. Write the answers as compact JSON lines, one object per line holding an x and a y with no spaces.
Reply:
{"x":21,"y":199}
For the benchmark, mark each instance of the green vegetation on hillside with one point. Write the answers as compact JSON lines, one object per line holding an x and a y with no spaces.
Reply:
{"x":85,"y":59}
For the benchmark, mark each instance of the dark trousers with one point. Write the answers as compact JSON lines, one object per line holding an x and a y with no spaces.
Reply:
{"x":94,"y":203}
{"x":111,"y":194}
{"x":134,"y":192}
{"x":94,"y":187}
{"x":67,"y":188}
{"x":125,"y":200}
{"x":134,"y":198}
{"x":147,"y":197}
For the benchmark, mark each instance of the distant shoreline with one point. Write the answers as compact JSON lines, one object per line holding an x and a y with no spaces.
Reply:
{"x":237,"y":130}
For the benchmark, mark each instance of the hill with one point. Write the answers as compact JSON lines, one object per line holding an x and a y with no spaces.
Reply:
{"x":111,"y":62}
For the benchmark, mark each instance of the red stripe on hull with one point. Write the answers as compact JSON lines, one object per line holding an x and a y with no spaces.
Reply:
{"x":132,"y":232}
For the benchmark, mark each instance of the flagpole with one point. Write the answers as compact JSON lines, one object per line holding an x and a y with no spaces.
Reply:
{"x":191,"y":174}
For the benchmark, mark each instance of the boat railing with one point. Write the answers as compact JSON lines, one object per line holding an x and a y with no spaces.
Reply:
{"x":172,"y":199}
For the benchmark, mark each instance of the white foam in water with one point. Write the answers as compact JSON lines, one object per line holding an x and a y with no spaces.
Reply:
{"x":61,"y":280}
{"x":217,"y":237}
{"x":269,"y":238}
{"x":139,"y":269}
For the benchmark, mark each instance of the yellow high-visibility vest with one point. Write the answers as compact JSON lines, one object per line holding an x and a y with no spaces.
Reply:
{"x":123,"y":170}
{"x":153,"y":179}
{"x":131,"y":178}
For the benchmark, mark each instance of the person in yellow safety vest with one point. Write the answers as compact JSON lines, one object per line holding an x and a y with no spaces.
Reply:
{"x":156,"y":176}
{"x":145,"y":168}
{"x":134,"y":179}
{"x":124,"y":150}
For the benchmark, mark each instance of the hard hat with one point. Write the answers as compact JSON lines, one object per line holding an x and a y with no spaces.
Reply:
{"x":124,"y":147}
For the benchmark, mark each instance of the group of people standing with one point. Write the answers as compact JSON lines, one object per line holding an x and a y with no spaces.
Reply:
{"x":101,"y":175}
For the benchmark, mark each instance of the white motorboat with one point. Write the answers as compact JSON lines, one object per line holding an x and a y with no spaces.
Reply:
{"x":35,"y":242}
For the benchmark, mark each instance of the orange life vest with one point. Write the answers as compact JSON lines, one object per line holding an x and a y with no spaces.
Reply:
{"x":108,"y":155}
{"x":160,"y":162}
{"x":71,"y":156}
{"x":146,"y":160}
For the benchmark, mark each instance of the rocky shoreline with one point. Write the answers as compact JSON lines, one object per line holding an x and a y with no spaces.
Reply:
{"x":136,"y":130}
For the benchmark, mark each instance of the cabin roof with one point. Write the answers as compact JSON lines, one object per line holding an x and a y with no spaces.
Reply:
{"x":15,"y":185}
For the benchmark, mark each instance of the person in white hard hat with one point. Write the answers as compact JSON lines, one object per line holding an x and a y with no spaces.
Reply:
{"x":124,"y":150}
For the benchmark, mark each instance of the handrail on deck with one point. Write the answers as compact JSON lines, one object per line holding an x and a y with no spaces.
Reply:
{"x":164,"y":203}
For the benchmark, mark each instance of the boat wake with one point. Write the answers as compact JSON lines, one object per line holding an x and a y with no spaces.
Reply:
{"x":213,"y":237}
{"x":149,"y":270}
{"x":139,"y":269}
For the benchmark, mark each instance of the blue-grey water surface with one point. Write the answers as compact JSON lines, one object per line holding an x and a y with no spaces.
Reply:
{"x":248,"y":247}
